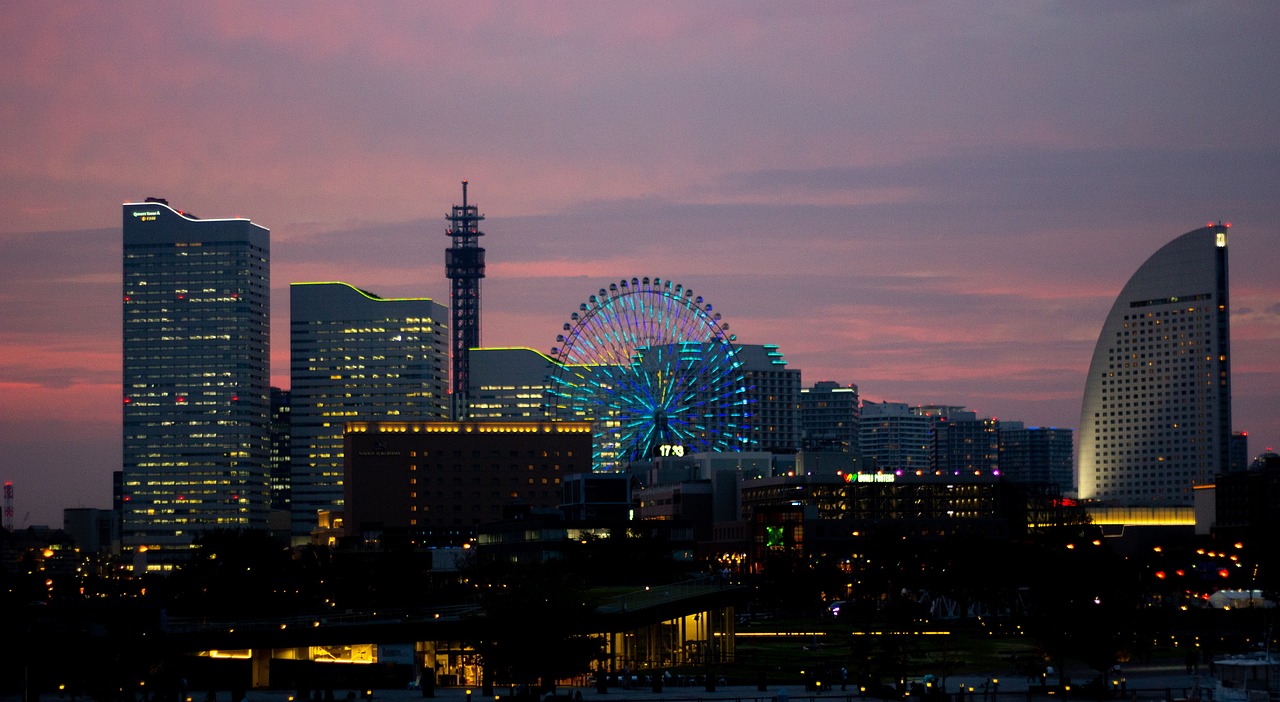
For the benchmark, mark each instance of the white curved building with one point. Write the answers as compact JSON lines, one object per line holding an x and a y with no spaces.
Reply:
{"x":1156,"y":417}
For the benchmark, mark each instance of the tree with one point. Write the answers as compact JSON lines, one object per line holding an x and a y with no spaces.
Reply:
{"x":533,"y":629}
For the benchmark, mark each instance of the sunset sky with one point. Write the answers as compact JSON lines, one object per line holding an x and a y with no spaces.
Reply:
{"x":936,"y":201}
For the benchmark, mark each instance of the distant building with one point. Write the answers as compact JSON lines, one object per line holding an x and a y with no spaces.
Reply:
{"x":1036,"y":455}
{"x":281,"y":446}
{"x":773,"y":391}
{"x":196,"y":372}
{"x":965,"y":445}
{"x":92,"y":530}
{"x":1239,"y":461}
{"x":1247,"y":506}
{"x":509,"y":383}
{"x":434,"y":483}
{"x":895,"y":436}
{"x":829,"y":415}
{"x":801,"y":516}
{"x":355,"y":356}
{"x":596,"y":497}
{"x":1156,"y":416}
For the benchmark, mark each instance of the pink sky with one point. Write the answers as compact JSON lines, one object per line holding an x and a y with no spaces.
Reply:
{"x":935,"y":202}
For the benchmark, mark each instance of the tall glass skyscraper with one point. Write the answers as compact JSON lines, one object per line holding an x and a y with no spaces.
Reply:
{"x":196,"y":377}
{"x":1156,"y":417}
{"x":355,"y":356}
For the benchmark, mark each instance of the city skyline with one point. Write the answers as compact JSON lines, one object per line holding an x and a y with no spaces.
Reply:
{"x":936,"y":204}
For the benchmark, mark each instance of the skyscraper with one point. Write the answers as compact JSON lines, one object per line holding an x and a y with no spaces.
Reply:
{"x":1036,"y":455}
{"x":509,"y":383}
{"x":963,"y":444}
{"x":773,"y":396}
{"x":196,"y":373}
{"x":1156,"y":417}
{"x":281,"y":449}
{"x":355,"y":356}
{"x":895,"y":436}
{"x":829,"y":417}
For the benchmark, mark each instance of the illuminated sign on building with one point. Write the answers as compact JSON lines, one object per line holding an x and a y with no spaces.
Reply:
{"x":671,"y":450}
{"x":869,"y":477}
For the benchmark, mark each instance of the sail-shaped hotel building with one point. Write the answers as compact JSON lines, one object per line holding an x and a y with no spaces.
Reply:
{"x":1156,"y":416}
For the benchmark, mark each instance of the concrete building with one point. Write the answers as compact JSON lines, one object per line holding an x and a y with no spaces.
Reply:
{"x":355,"y":356}
{"x":773,"y":391}
{"x":895,"y":437}
{"x":1239,"y":461}
{"x":1036,"y":455}
{"x":93,"y":530}
{"x":196,"y":370}
{"x":434,"y":483}
{"x":1156,"y":416}
{"x":962,"y":444}
{"x":509,"y":384}
{"x":829,"y":415}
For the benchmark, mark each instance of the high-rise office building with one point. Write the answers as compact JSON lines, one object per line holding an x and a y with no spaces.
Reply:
{"x":196,"y":377}
{"x":895,"y":436}
{"x":1156,"y":416}
{"x":355,"y":356}
{"x":829,"y":416}
{"x":281,"y":449}
{"x":773,"y":395}
{"x":1036,"y":455}
{"x":509,"y":384}
{"x":1239,"y":452}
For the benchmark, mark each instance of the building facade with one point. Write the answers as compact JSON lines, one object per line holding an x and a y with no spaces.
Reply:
{"x":281,"y":448}
{"x":773,"y":393}
{"x":1037,"y":455}
{"x":434,"y":483}
{"x":195,"y":377}
{"x":1156,"y":416}
{"x":509,"y":383}
{"x":963,"y":444}
{"x":829,"y":416}
{"x":355,"y":356}
{"x":895,"y":436}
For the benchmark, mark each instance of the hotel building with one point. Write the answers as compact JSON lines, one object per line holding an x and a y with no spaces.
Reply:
{"x":1156,"y":417}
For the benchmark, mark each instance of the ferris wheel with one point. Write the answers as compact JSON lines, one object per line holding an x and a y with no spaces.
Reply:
{"x":654,"y":368}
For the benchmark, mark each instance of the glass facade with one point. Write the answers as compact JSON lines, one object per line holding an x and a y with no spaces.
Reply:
{"x":355,"y":356}
{"x":509,"y":384}
{"x":195,"y":377}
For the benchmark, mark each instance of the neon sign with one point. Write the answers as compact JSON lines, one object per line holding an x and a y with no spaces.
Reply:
{"x":869,"y":477}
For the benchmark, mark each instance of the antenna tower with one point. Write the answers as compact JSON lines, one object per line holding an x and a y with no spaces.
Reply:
{"x":464,"y":266}
{"x":8,"y":505}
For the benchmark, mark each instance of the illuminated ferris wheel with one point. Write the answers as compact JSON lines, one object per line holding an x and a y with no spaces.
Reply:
{"x":654,"y":368}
